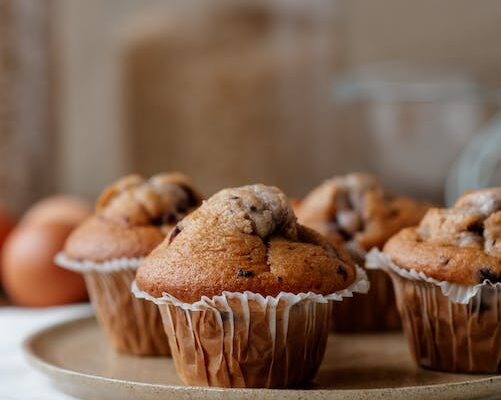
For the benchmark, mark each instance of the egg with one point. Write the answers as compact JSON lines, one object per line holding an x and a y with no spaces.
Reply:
{"x":6,"y":225}
{"x":29,"y":274}
{"x":64,"y":208}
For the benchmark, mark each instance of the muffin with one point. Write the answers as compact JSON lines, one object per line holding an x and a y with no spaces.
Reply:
{"x":245,"y":292}
{"x":357,"y":210}
{"x":131,"y":218}
{"x":447,"y":278}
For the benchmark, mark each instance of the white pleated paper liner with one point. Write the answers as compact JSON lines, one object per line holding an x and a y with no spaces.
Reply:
{"x":361,"y":285}
{"x":113,"y":265}
{"x":456,"y":293}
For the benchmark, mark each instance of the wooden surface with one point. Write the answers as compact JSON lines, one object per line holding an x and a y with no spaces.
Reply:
{"x":77,"y":357}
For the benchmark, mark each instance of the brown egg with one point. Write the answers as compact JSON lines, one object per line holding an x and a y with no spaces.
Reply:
{"x":6,"y":225}
{"x":64,"y":208}
{"x":29,"y":274}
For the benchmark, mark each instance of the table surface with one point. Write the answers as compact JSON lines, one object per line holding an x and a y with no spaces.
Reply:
{"x":18,"y":381}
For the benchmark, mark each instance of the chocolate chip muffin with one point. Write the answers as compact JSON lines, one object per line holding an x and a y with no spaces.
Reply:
{"x":131,"y":218}
{"x":447,"y":278}
{"x":244,"y":291}
{"x":356,"y":209}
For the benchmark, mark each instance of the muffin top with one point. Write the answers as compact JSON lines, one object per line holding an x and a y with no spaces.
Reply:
{"x":244,"y":239}
{"x":461,"y":244}
{"x":132,"y":216}
{"x":357,"y":209}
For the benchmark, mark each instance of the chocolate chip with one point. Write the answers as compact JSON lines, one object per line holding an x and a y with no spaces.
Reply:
{"x":477,"y":227}
{"x":253,"y":208}
{"x":173,"y":233}
{"x":234,"y":197}
{"x":279,"y":278}
{"x":192,"y":197}
{"x":182,"y":208}
{"x":341,"y":270}
{"x":242,"y":273}
{"x":488,"y":274}
{"x":344,"y":234}
{"x":444,"y":260}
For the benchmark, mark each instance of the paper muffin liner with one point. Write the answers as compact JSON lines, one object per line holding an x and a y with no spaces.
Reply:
{"x":132,"y":325}
{"x":449,"y":327}
{"x":375,"y":311}
{"x":116,"y":264}
{"x":248,"y":340}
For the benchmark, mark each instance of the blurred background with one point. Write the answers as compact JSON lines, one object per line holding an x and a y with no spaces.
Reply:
{"x":229,"y":92}
{"x":286,"y":92}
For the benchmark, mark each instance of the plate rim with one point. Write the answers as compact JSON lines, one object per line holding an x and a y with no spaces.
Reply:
{"x":39,"y":363}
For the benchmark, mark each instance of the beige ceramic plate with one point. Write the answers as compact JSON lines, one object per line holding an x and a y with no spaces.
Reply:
{"x":76,"y":357}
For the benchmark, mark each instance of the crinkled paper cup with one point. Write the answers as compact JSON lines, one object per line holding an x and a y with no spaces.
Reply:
{"x":132,"y":325}
{"x":449,"y":327}
{"x":375,"y":311}
{"x":248,"y":340}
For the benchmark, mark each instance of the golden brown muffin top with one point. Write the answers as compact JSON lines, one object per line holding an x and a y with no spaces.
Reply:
{"x":461,"y":244}
{"x":357,"y":209}
{"x":244,"y":239}
{"x":132,"y":216}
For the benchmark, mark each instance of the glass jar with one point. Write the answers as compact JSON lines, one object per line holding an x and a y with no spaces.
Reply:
{"x":412,"y":124}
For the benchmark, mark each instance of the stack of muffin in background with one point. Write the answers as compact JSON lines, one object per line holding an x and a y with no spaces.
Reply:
{"x":244,"y":292}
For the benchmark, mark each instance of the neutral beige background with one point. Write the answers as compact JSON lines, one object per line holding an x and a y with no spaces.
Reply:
{"x":105,"y":92}
{"x":27,"y":104}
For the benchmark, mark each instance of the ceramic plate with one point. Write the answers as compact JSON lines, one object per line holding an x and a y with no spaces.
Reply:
{"x":76,"y":357}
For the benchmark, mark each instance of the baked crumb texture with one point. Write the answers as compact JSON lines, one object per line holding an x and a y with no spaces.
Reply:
{"x":461,"y":244}
{"x":356,"y":208}
{"x":132,"y":216}
{"x":244,"y":239}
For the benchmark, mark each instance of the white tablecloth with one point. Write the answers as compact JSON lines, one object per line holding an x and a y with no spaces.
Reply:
{"x":19,"y":381}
